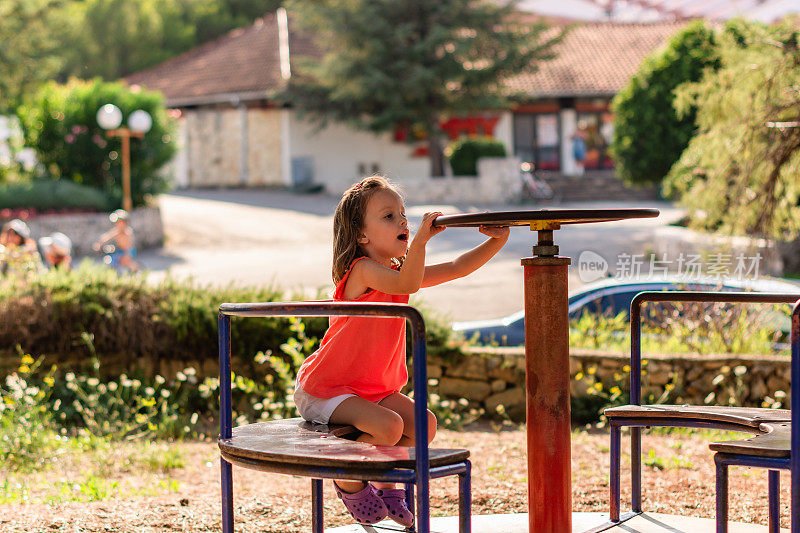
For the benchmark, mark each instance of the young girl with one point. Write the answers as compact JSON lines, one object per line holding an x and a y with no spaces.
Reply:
{"x":356,"y":375}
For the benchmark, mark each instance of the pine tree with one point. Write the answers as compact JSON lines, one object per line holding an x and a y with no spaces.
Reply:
{"x":412,"y":62}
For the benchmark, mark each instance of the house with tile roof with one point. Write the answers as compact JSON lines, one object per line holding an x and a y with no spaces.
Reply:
{"x":234,"y":133}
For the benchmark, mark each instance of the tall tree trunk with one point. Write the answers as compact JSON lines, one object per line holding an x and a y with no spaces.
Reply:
{"x":435,"y":154}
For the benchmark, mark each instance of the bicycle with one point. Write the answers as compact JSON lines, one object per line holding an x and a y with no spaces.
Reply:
{"x":534,"y":188}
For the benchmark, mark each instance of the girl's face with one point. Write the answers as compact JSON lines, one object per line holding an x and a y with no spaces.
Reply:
{"x":385,"y":232}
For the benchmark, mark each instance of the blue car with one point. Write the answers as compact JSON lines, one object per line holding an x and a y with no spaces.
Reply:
{"x":609,"y":297}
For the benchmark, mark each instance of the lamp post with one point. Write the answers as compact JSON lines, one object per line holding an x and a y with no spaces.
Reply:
{"x":109,"y":117}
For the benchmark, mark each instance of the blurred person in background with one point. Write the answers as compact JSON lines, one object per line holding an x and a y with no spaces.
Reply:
{"x":56,"y":251}
{"x":17,"y":250}
{"x":119,"y":243}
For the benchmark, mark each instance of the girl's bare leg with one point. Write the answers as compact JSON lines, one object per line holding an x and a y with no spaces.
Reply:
{"x":404,"y":406}
{"x":379,"y":425}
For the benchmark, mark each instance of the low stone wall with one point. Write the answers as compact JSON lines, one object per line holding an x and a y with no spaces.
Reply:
{"x":498,"y":181}
{"x":85,"y":228}
{"x":489,"y":377}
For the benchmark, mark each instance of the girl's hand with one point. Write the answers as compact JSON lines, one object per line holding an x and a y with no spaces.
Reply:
{"x":495,"y":232}
{"x":427,"y":229}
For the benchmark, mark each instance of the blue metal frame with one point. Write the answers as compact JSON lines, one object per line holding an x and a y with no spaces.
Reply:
{"x":791,"y":463}
{"x":636,"y":424}
{"x":419,"y":477}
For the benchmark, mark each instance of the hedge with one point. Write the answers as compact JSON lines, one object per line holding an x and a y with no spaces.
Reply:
{"x":43,"y":195}
{"x":130,"y":324}
{"x":464,"y":154}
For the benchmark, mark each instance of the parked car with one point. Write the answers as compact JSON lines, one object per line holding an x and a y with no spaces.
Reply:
{"x":610,"y":297}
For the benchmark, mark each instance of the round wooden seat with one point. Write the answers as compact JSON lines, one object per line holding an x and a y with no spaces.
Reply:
{"x":283,"y":445}
{"x":774,"y":440}
{"x":747,"y":417}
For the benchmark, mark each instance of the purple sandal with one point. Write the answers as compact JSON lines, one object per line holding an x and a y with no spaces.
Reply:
{"x":395,"y":500}
{"x":365,"y":506}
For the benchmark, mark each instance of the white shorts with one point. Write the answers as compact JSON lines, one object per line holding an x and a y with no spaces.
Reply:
{"x":317,"y":410}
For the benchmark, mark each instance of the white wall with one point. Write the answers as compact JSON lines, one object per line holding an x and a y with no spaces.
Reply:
{"x":178,"y":168}
{"x":275,"y":137}
{"x":504,"y":131}
{"x":569,"y":125}
{"x":337,"y":151}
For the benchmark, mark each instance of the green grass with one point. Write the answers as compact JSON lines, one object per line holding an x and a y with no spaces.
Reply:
{"x":96,"y":472}
{"x":162,"y":458}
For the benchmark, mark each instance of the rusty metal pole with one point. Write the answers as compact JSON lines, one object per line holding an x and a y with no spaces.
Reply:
{"x":547,"y":382}
{"x":125,"y":135}
{"x":127,"y":203}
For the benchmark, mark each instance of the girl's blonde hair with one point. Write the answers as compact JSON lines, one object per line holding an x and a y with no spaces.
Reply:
{"x":348,"y":221}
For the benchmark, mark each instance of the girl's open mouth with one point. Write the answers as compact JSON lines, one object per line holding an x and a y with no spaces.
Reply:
{"x":403,"y":237}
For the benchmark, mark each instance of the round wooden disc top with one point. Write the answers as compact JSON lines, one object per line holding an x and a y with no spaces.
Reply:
{"x":542,"y":218}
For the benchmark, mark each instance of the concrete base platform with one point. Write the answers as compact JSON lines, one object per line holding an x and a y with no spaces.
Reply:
{"x":581,"y":522}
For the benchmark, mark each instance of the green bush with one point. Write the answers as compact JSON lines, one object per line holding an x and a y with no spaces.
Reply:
{"x":52,"y":194}
{"x":105,"y":319}
{"x":129,"y":323}
{"x":60,"y":313}
{"x":60,"y":123}
{"x":464,"y":154}
{"x":649,"y":136}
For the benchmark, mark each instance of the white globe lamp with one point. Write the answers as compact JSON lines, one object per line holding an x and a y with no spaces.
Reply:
{"x":109,"y":117}
{"x":140,"y":121}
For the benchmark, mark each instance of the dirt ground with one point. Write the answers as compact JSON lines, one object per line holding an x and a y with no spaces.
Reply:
{"x":678,"y":476}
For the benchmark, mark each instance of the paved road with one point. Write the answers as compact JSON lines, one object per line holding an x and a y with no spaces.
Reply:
{"x":263,"y":237}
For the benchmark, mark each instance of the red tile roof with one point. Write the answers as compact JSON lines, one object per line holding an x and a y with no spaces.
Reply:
{"x":243,"y":64}
{"x":594,"y":59}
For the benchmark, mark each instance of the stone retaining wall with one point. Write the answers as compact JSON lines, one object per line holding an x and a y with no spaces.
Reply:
{"x":490,"y":377}
{"x":85,"y":228}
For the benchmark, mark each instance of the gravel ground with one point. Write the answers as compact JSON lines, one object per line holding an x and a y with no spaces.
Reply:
{"x":678,"y":479}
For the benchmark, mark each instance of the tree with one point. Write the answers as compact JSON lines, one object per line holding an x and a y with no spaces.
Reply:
{"x":648,"y":134}
{"x":28,"y":53}
{"x":739,"y":173}
{"x":390,"y":63}
{"x":58,"y":39}
{"x":114,"y":38}
{"x":60,"y":124}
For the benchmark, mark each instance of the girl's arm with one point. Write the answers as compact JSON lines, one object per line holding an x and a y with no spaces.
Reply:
{"x":407,"y":280}
{"x":104,"y":238}
{"x":468,"y":262}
